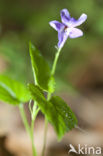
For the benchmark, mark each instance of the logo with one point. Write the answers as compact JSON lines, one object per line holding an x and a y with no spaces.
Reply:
{"x":85,"y":149}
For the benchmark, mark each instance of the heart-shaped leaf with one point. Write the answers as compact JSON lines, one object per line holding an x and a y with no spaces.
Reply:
{"x":56,"y":111}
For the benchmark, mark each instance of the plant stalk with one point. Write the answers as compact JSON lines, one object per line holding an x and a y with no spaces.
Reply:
{"x":28,"y":129}
{"x":48,"y":98}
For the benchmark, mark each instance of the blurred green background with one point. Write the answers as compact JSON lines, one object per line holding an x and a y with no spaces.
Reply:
{"x":25,"y":20}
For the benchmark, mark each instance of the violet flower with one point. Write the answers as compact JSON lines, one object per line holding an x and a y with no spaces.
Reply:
{"x":67,"y":27}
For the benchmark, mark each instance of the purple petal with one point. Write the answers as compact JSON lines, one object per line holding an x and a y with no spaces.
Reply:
{"x":74,"y":33}
{"x":75,"y":23}
{"x":65,"y":16}
{"x":62,"y":37}
{"x":57,"y":25}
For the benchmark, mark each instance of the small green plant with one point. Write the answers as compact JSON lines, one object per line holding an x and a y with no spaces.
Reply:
{"x":54,"y":108}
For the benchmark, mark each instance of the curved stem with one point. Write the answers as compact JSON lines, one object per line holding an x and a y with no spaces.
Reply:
{"x":55,"y":61}
{"x":48,"y":98}
{"x":33,"y":117}
{"x":28,"y":129}
{"x":22,"y":112}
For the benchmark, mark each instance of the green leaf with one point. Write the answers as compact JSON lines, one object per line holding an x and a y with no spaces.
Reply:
{"x":56,"y":111}
{"x":7,"y":97}
{"x":65,"y":112}
{"x":12,"y":91}
{"x":41,"y":70}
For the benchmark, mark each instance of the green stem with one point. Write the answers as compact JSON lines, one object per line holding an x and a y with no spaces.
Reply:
{"x":32,"y":139}
{"x":21,"y":108}
{"x":28,"y":129}
{"x":34,"y":114}
{"x":33,"y":117}
{"x":48,"y":98}
{"x":55,"y":61}
{"x":45,"y":137}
